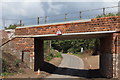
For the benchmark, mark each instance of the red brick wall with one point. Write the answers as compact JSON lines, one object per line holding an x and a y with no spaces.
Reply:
{"x":106,"y":44}
{"x":116,"y":43}
{"x":96,"y":24}
{"x":24,"y":44}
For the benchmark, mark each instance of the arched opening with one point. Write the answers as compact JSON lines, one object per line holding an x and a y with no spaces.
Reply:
{"x":104,"y":59}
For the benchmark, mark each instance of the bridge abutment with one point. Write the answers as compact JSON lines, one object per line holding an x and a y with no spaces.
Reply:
{"x":110,"y":56}
{"x":30,"y":51}
{"x":106,"y":58}
{"x":116,"y":56}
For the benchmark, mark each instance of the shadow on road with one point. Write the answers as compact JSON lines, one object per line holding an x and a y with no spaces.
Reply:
{"x":50,"y":68}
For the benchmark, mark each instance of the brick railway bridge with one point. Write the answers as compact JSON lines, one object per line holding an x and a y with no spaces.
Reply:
{"x":29,"y":39}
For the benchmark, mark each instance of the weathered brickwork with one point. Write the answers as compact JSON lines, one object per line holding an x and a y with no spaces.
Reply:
{"x":109,"y":59}
{"x":106,"y":66}
{"x":97,"y":24}
{"x":24,"y":46}
{"x":116,"y":55}
{"x":118,"y":66}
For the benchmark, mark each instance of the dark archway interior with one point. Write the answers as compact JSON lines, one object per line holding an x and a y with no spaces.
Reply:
{"x":39,"y":55}
{"x":92,"y":73}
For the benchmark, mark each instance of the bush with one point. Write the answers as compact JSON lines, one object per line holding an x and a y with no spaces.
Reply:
{"x":58,"y":54}
{"x":5,"y":66}
{"x":17,"y":62}
{"x":107,"y":15}
{"x":71,"y":50}
{"x":51,"y":56}
{"x":6,"y":74}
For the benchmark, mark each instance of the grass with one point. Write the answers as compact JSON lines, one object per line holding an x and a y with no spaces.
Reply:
{"x":51,"y":56}
{"x":17,"y":62}
{"x":6,"y":74}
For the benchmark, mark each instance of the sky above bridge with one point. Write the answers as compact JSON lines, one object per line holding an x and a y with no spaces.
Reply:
{"x":28,"y":10}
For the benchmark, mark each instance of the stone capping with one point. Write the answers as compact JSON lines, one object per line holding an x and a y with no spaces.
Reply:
{"x":59,"y":23}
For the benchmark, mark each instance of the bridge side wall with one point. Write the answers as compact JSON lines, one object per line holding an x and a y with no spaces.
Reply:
{"x":106,"y":57}
{"x":110,"y":56}
{"x":116,"y":56}
{"x":97,"y":24}
{"x":33,"y":50}
{"x":24,"y":47}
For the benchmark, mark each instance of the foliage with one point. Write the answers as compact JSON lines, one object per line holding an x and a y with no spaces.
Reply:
{"x":12,"y":26}
{"x":73,"y":46}
{"x":51,"y":55}
{"x":58,"y":54}
{"x":17,"y":62}
{"x":107,"y":15}
{"x":6,"y":74}
{"x":4,"y":66}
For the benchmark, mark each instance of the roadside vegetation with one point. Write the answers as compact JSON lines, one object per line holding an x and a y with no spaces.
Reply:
{"x":49,"y":52}
{"x":52,"y":55}
{"x":74,"y":46}
{"x":11,"y":65}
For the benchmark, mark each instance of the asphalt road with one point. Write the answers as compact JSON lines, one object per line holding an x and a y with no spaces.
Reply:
{"x":69,"y":67}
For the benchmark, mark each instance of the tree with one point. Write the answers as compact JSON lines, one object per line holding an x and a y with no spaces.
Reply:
{"x":73,"y":46}
{"x":12,"y":26}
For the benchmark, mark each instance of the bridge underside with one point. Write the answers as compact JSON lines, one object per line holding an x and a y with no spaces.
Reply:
{"x":108,"y":59}
{"x":84,"y":36}
{"x":109,"y":48}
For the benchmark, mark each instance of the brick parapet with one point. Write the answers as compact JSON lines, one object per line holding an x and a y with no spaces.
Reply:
{"x":96,"y":24}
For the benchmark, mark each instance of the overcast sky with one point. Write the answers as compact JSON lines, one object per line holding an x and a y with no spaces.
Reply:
{"x":18,"y":9}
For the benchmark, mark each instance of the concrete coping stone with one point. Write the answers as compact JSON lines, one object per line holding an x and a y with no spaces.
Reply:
{"x":85,"y":20}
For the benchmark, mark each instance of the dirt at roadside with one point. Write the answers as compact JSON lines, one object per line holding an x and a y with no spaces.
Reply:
{"x":11,"y":64}
{"x":28,"y":73}
{"x":91,"y":62}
